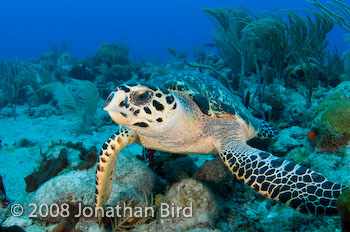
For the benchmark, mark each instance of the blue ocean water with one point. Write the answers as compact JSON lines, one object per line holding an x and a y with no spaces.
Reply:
{"x":61,"y":63}
{"x":28,"y":28}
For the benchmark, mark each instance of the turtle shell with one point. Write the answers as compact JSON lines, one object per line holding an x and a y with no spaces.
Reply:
{"x":211,"y":96}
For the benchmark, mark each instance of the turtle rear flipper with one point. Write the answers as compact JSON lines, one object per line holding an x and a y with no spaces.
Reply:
{"x":107,"y":163}
{"x":273,"y":177}
{"x":266,"y":130}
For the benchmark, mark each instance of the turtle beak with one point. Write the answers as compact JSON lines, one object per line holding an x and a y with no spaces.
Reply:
{"x":113,"y":109}
{"x":109,"y":100}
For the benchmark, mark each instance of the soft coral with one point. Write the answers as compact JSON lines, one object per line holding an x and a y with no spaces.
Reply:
{"x":4,"y":200}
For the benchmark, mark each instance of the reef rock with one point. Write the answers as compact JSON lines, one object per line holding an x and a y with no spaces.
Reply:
{"x":331,"y":120}
{"x":78,"y":187}
{"x":65,"y":63}
{"x":289,"y":139}
{"x":188,"y":193}
{"x":111,"y":54}
{"x":174,"y":168}
{"x":216,"y":175}
{"x":17,"y":221}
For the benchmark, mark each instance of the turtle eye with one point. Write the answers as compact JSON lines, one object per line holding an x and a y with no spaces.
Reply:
{"x":142,"y":98}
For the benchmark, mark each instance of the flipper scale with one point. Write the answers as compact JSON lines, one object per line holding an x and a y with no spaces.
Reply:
{"x":107,"y":163}
{"x":299,"y":187}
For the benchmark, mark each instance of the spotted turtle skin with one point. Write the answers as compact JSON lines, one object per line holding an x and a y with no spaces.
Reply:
{"x":211,"y":96}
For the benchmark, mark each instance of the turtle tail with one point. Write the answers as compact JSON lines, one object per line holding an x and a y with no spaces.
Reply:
{"x":273,"y":177}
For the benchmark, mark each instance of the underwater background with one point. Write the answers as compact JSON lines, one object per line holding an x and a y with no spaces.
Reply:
{"x":288,"y":61}
{"x":29,"y":28}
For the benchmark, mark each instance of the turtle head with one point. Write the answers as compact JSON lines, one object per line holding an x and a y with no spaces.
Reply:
{"x":141,"y":106}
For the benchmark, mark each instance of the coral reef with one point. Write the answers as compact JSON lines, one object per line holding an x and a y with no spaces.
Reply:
{"x":276,"y":62}
{"x":174,"y":167}
{"x":110,"y":54}
{"x":10,"y":84}
{"x":48,"y":169}
{"x":11,"y":229}
{"x":81,"y":72}
{"x":279,"y":47}
{"x":65,"y":225}
{"x":24,"y":143}
{"x":78,"y":186}
{"x":56,"y":159}
{"x":22,"y":222}
{"x":331,"y":120}
{"x":146,"y":70}
{"x":3,"y":199}
{"x":177,"y":57}
{"x":87,"y":157}
{"x":112,"y":61}
{"x":199,"y":209}
{"x":288,"y":139}
{"x":343,"y":205}
{"x":120,"y":72}
{"x":65,"y":64}
{"x":190,"y":193}
{"x":134,"y":220}
{"x":216,"y":176}
{"x":338,"y":11}
{"x":336,"y":116}
{"x":76,"y":96}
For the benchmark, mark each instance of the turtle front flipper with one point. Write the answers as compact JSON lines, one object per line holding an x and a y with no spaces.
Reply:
{"x":273,"y":177}
{"x":107,"y":163}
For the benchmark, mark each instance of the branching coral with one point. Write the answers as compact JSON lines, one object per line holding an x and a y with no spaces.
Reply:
{"x":338,"y":11}
{"x":308,"y":43}
{"x":277,"y":41}
{"x":18,"y":79}
{"x":33,"y":78}
{"x":270,"y":33}
{"x":177,"y":56}
{"x":10,"y":84}
{"x":231,"y":42}
{"x":312,"y":33}
{"x":221,"y":77}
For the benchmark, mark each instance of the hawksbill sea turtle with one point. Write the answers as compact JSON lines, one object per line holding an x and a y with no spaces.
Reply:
{"x":190,"y":113}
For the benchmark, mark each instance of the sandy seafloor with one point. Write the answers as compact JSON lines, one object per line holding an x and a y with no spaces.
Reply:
{"x":18,"y":162}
